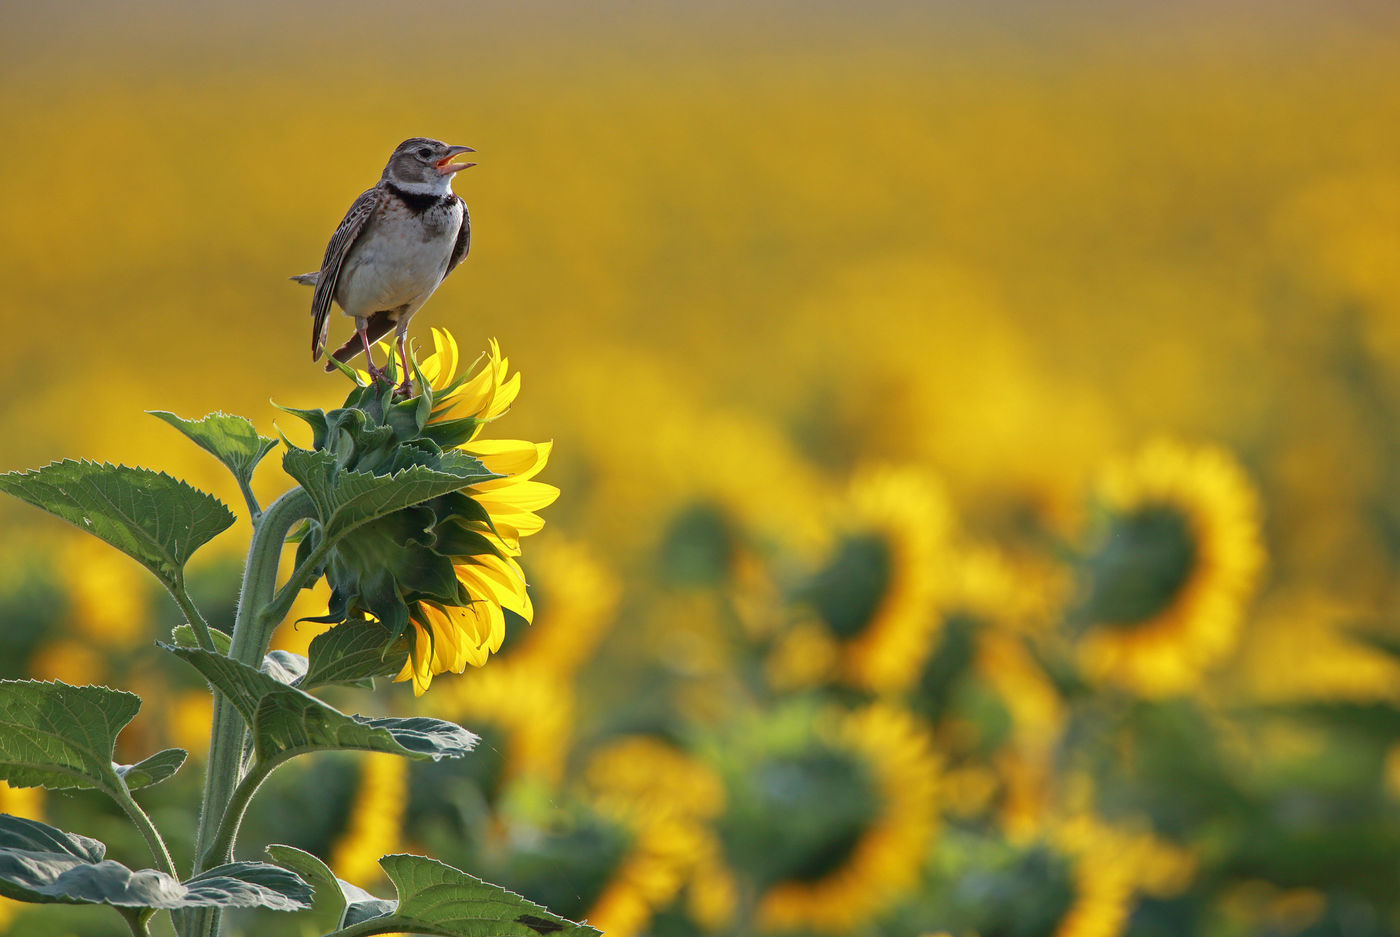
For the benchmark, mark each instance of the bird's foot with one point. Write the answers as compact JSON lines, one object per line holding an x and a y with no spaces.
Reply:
{"x":377,"y":374}
{"x":405,"y":389}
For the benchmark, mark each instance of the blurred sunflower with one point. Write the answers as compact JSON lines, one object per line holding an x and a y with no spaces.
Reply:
{"x":615,"y":848}
{"x":994,"y":888}
{"x":530,"y":712}
{"x":109,"y":596}
{"x":575,"y":597}
{"x":872,"y":605}
{"x":665,"y":797}
{"x":1172,"y":560}
{"x":828,"y":817}
{"x":375,"y":820}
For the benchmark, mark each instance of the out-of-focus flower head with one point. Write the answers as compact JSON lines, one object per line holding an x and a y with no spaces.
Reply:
{"x":1175,"y":555}
{"x":665,"y":797}
{"x":868,"y":613}
{"x":374,"y":826}
{"x":575,"y":597}
{"x":828,"y":816}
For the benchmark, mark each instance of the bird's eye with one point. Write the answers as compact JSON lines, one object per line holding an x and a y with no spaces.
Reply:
{"x":424,"y":153}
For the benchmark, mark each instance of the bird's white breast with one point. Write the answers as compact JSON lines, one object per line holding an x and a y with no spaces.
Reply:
{"x":399,"y":258}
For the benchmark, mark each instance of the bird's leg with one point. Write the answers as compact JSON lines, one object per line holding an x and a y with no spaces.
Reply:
{"x":406,"y":388}
{"x":361,"y":323}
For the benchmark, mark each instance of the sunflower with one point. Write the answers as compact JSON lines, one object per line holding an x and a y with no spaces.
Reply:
{"x":828,"y":817}
{"x":375,"y":820}
{"x":579,"y":597}
{"x":447,"y":636}
{"x":1175,"y":557}
{"x":532,"y":711}
{"x":992,"y":887}
{"x":876,"y":597}
{"x":1112,"y":866}
{"x":885,"y":861}
{"x":665,"y":798}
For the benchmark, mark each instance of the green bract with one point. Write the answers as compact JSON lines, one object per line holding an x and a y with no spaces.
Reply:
{"x":391,"y":518}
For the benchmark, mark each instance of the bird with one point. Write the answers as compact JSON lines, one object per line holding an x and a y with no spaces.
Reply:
{"x":392,"y":249}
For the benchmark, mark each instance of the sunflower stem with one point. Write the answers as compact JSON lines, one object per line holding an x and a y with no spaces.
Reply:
{"x":221,"y":850}
{"x":142,"y":821}
{"x":252,"y":629}
{"x":137,"y":921}
{"x":282,"y":602}
{"x":192,"y":615}
{"x":254,"y":510}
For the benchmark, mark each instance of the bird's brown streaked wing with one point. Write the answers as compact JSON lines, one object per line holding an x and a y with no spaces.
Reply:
{"x":350,"y":227}
{"x":464,"y":240}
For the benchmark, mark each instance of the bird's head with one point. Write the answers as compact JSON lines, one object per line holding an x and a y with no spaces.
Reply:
{"x":423,"y":165}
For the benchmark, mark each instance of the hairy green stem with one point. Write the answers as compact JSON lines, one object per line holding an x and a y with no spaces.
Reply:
{"x":254,"y":511}
{"x":148,"y":830}
{"x":300,"y":578}
{"x":252,"y":629}
{"x":137,"y":921}
{"x":221,"y":849}
{"x":193,"y":616}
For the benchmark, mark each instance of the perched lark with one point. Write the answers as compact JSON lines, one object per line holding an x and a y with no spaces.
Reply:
{"x":392,"y":249}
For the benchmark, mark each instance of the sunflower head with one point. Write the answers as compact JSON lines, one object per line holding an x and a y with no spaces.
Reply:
{"x":1172,"y":558}
{"x":828,"y":813}
{"x":874,"y":595}
{"x":438,"y":573}
{"x":994,"y":889}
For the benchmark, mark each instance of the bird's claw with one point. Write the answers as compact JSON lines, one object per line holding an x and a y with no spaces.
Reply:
{"x":404,"y":390}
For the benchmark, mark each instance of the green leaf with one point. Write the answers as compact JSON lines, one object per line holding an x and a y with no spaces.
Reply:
{"x":61,"y":737}
{"x":435,"y":898}
{"x":157,"y":520}
{"x":337,"y":903}
{"x":351,"y":653}
{"x":286,"y":721}
{"x":249,"y":885}
{"x":230,"y":439}
{"x":184,"y":636}
{"x":152,"y":770}
{"x":344,"y":500}
{"x":40,"y":863}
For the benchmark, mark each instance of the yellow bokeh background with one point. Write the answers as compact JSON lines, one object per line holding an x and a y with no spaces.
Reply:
{"x":1003,"y":246}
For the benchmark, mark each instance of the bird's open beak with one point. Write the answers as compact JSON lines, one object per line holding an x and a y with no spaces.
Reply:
{"x":446,"y":166}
